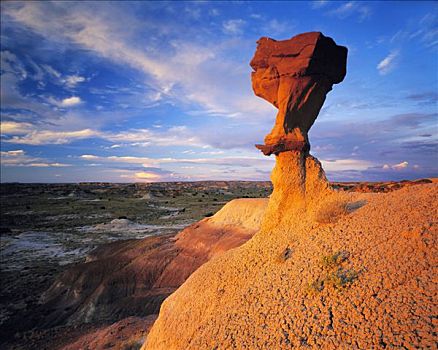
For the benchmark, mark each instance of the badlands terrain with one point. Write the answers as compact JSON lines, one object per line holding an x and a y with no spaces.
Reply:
{"x":89,"y":262}
{"x":314,"y":265}
{"x":46,"y":228}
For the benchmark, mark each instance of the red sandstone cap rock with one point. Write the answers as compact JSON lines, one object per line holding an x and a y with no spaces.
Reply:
{"x":305,"y":54}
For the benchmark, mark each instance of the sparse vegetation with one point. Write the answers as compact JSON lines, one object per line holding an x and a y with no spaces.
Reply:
{"x":332,"y":212}
{"x":52,"y":216}
{"x":334,"y":275}
{"x":335,"y":259}
{"x":315,"y":286}
{"x":341,"y":278}
{"x":286,"y":254}
{"x":135,"y":345}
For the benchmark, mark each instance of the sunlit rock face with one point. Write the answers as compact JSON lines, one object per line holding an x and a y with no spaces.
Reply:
{"x":279,"y":290}
{"x":295,"y":75}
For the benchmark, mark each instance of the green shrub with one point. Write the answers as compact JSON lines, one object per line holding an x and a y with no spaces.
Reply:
{"x":335,"y":259}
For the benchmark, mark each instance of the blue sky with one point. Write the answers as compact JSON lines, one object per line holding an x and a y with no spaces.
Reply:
{"x":161,"y":91}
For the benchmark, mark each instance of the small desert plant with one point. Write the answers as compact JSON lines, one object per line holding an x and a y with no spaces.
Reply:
{"x":335,"y":259}
{"x":315,"y":286}
{"x":341,"y":278}
{"x":332,"y":212}
{"x":338,"y":279}
{"x":335,"y":275}
{"x":286,"y":254}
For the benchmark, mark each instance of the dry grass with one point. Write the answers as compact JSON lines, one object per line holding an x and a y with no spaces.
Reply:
{"x":332,"y":212}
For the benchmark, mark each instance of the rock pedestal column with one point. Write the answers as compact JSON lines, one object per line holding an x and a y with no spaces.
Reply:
{"x":299,"y":184}
{"x":295,"y":76}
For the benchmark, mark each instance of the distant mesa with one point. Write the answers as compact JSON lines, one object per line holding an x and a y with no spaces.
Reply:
{"x":295,"y":75}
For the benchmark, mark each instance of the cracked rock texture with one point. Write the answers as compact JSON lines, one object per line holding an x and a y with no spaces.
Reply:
{"x":365,"y":281}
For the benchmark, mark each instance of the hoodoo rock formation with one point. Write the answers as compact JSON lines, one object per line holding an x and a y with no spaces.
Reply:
{"x":295,"y":75}
{"x":328,"y":269}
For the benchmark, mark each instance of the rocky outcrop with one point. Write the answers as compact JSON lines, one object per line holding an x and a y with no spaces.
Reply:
{"x":132,"y":278}
{"x":295,"y":75}
{"x":300,"y":185}
{"x":328,"y":269}
{"x":364,"y":281}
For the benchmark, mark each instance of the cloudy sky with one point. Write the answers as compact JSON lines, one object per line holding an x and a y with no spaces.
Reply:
{"x":161,"y":91}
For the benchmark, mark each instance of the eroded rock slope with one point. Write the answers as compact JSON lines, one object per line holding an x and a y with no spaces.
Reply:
{"x":133,"y":277}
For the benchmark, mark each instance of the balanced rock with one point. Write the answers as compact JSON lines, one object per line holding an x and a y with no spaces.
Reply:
{"x":327,"y":270}
{"x":295,"y":75}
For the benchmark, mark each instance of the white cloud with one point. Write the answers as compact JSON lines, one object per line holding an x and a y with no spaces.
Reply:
{"x":256,"y":16}
{"x":239,"y":161}
{"x":398,"y":166}
{"x":11,"y":64}
{"x":388,"y":63}
{"x":214,"y":12}
{"x":66,"y":102}
{"x":46,"y":165}
{"x":13,"y":73}
{"x":319,"y":4}
{"x":19,"y":158}
{"x":71,"y":101}
{"x":423,"y":31}
{"x":16,"y":153}
{"x":16,"y":158}
{"x":174,"y":136}
{"x":350,"y":8}
{"x":69,"y":81}
{"x":346,"y":164}
{"x":89,"y":156}
{"x":233,"y":26}
{"x":194,"y":73}
{"x":73,"y":80}
{"x":145,"y":161}
{"x":275,"y":27}
{"x":51,"y":71}
{"x":25,"y":133}
{"x":44,"y":137}
{"x":15,"y":128}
